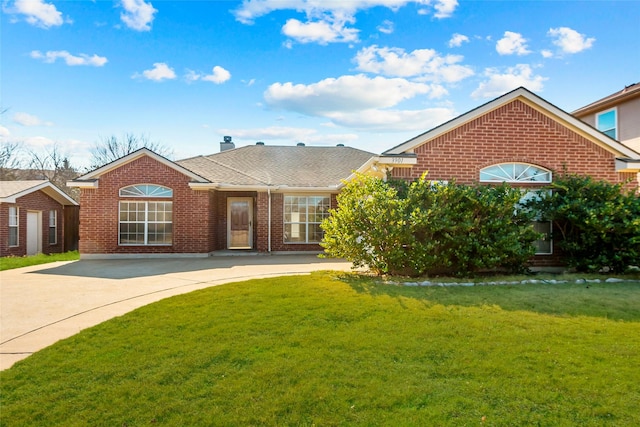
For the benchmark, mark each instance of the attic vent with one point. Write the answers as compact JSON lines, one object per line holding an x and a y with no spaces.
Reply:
{"x":340,"y":145}
{"x":259,"y":143}
{"x":300,"y":144}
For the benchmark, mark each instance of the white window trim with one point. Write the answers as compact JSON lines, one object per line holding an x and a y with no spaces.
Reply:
{"x":54,"y":226}
{"x":16,"y":226}
{"x":145,"y":195}
{"x":516,"y":181}
{"x":146,"y":223}
{"x":615,"y":125}
{"x":306,"y":223}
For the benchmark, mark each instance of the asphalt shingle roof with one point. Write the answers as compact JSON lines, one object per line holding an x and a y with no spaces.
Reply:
{"x":9,"y":188}
{"x":297,"y":166}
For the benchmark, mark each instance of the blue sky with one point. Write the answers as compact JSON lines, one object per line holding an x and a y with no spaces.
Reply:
{"x":366,"y":73}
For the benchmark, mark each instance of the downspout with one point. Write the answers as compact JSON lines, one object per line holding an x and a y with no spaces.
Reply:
{"x":269,"y":219}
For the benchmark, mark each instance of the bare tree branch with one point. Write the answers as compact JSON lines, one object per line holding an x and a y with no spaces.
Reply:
{"x":10,"y":160}
{"x":112,"y":148}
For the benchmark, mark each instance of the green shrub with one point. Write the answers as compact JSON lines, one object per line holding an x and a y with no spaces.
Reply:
{"x":597,"y":223}
{"x":428,"y":228}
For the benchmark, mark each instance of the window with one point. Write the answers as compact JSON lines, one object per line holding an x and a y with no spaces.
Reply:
{"x":13,"y":226}
{"x":146,"y":223}
{"x":53,"y":227}
{"x":515,"y":172}
{"x":606,"y":123}
{"x":302,"y":218}
{"x":146,"y":190}
{"x":524,"y":173}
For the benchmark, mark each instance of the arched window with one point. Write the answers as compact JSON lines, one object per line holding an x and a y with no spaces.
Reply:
{"x":146,"y":190}
{"x":515,"y":172}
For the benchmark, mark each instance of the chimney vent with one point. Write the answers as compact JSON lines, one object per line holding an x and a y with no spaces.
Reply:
{"x":227,"y":144}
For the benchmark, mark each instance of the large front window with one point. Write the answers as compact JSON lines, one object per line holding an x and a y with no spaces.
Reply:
{"x":146,"y":223}
{"x":302,"y":218}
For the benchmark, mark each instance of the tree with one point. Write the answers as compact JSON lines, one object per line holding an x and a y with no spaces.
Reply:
{"x":54,"y":165}
{"x":112,"y":148}
{"x":10,"y":160}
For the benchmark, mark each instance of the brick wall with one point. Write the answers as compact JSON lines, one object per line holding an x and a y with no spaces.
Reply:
{"x":514,"y":132}
{"x":192,"y":227}
{"x":36,"y":201}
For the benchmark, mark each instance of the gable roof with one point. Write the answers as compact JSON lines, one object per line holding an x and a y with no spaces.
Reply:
{"x":10,"y":191}
{"x":284,"y":166}
{"x":629,"y":92}
{"x":613,"y":146}
{"x":90,"y":179}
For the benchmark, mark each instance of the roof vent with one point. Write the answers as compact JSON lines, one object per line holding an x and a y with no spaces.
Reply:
{"x":300,"y":144}
{"x":227,"y":144}
{"x":259,"y":143}
{"x":340,"y":145}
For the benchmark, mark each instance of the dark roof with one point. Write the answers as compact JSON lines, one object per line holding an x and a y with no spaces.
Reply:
{"x":297,"y":166}
{"x":630,"y":91}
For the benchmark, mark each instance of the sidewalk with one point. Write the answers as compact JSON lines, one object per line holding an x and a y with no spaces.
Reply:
{"x":42,"y":304}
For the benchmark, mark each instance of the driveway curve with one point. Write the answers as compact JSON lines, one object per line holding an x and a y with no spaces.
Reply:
{"x":42,"y":304}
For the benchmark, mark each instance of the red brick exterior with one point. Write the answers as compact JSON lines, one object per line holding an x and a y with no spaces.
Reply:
{"x":514,"y":132}
{"x":192,"y":216}
{"x":36,"y":201}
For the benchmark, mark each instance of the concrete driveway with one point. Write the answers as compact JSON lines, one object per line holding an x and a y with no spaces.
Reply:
{"x":42,"y":304}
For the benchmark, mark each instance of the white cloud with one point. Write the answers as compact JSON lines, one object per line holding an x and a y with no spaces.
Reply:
{"x":499,"y":83}
{"x":386,"y":27}
{"x":457,"y":40}
{"x":569,"y":40}
{"x":322,"y":32}
{"x":38,"y":142}
{"x":219,"y":75}
{"x":159,"y":72}
{"x":326,"y":21}
{"x":4,"y":132}
{"x":26,"y":119}
{"x":346,"y":93}
{"x":392,"y":120}
{"x":137,"y":14}
{"x":546,"y":53}
{"x":38,"y":13}
{"x":512,"y":43}
{"x":445,"y":8}
{"x":72,"y":60}
{"x":426,"y":64}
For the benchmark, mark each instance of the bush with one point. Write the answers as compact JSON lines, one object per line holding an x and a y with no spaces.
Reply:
{"x":598,"y":223}
{"x":428,"y":228}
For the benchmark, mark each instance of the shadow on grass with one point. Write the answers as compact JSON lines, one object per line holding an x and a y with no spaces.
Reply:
{"x":613,"y":301}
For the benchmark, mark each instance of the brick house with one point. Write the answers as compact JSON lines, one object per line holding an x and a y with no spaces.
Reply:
{"x":522,"y":139}
{"x":272,"y":199}
{"x":255,"y":198}
{"x":36,"y":217}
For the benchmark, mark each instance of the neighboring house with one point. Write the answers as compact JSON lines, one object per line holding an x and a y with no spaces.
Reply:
{"x":617,"y":115}
{"x":521,"y":139}
{"x":272,"y":199}
{"x":36,"y":217}
{"x":256,"y":198}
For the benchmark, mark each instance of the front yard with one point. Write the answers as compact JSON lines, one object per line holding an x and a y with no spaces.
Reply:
{"x":338,"y":349}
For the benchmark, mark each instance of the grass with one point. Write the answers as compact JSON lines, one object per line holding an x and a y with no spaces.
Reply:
{"x":339,"y":349}
{"x":8,"y":263}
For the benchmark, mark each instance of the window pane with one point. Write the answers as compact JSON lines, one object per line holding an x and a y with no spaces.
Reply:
{"x":52,"y":236}
{"x":295,"y":233}
{"x":315,"y":233}
{"x":13,"y":216}
{"x":543,"y":246}
{"x":13,"y":236}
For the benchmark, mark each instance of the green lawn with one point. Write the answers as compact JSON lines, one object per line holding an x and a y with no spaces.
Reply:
{"x":337,"y":349}
{"x":7,"y":263}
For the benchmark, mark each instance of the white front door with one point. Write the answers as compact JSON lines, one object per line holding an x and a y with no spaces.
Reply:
{"x":239,"y":223}
{"x":34,"y":232}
